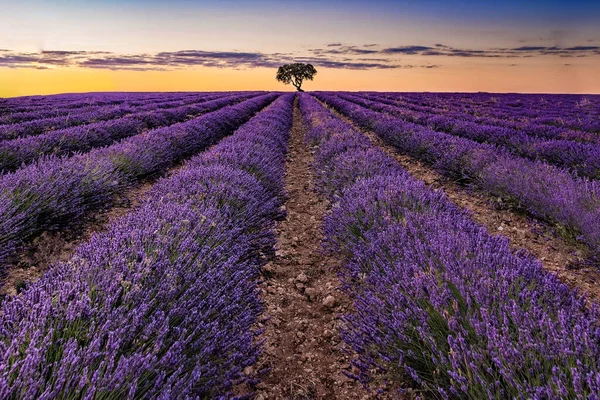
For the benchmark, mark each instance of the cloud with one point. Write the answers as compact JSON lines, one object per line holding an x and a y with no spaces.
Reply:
{"x":355,"y":65}
{"x":140,"y":62}
{"x":406,"y":50}
{"x":344,"y":50}
{"x":470,"y":53}
{"x":191,"y":58}
{"x":515,"y":52}
{"x":583,"y":48}
{"x":373,"y":59}
{"x":220,"y":59}
{"x":24,"y":60}
{"x":62,"y":53}
{"x":530,"y":48}
{"x":334,"y":55}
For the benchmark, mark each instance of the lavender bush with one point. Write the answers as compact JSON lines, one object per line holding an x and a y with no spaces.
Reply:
{"x":63,"y":108}
{"x":544,"y":191}
{"x":14,"y":153}
{"x":581,"y":158}
{"x":162,"y":305}
{"x":475,"y":110}
{"x":436,"y":298}
{"x":56,"y":192}
{"x":566,"y":113}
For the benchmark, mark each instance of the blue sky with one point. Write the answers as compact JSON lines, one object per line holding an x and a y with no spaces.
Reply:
{"x":140,"y":35}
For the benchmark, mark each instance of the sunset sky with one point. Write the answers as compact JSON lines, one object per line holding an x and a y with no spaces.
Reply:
{"x":184,"y":45}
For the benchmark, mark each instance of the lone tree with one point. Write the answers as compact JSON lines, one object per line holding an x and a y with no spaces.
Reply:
{"x":295,"y":73}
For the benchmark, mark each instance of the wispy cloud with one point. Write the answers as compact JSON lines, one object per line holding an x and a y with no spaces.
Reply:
{"x":185,"y":59}
{"x":514,"y":52}
{"x":341,"y":50}
{"x":333,"y":55}
{"x":406,"y":50}
{"x":440,"y":49}
{"x":354,"y":64}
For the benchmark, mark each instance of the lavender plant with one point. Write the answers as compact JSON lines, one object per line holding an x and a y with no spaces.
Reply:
{"x":15,"y":153}
{"x":581,"y":158}
{"x":436,"y":298}
{"x":57,"y":192}
{"x":549,"y":193}
{"x":163,"y":304}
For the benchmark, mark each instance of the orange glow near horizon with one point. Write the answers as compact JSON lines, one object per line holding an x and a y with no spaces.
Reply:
{"x":435,"y":45}
{"x":460,"y":78}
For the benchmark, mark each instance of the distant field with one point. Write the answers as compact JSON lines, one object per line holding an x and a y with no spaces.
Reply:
{"x":311,"y":245}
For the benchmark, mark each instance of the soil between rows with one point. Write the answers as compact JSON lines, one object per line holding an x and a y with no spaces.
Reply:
{"x":304,"y":355}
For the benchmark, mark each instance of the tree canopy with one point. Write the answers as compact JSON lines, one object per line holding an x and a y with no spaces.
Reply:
{"x":295,"y":74}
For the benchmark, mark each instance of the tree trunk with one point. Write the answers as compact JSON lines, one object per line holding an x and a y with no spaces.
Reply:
{"x":300,"y":90}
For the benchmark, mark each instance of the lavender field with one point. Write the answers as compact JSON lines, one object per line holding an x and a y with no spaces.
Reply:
{"x":166,"y":245}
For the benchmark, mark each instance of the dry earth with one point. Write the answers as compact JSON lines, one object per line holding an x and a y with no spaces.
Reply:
{"x":304,"y":357}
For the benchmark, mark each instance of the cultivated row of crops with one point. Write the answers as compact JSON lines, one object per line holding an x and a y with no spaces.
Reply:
{"x":582,"y":158}
{"x":82,"y":116}
{"x":548,"y":192}
{"x":164,"y":302}
{"x":565,"y":111}
{"x":38,"y":110}
{"x":436,"y":297}
{"x":15,"y":153}
{"x":59,"y":191}
{"x":553,"y":128}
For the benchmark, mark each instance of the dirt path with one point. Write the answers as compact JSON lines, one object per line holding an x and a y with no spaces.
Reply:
{"x":303,"y":350}
{"x":556,"y":254}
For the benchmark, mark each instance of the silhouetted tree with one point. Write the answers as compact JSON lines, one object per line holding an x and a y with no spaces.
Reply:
{"x":296,"y":73}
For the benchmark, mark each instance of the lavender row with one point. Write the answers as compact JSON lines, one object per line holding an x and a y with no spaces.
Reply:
{"x":514,"y":106}
{"x":572,"y":112}
{"x":525,"y":125}
{"x":420,"y":114}
{"x":61,"y":105}
{"x":547,"y":192}
{"x":56,"y":192}
{"x":581,"y":158}
{"x":82,"y":117}
{"x":436,"y":298}
{"x":22,"y":105}
{"x":164,"y":304}
{"x":15,"y":153}
{"x":97,"y":100}
{"x":23,"y":109}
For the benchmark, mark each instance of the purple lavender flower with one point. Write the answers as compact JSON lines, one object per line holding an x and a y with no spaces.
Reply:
{"x":163,"y":304}
{"x":436,"y":298}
